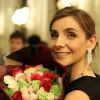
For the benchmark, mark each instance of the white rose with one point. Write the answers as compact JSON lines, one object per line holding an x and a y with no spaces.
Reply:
{"x":20,"y":76}
{"x":40,"y":73}
{"x":25,"y":95}
{"x":39,"y":67}
{"x":33,"y":96}
{"x":40,"y":91}
{"x":50,"y":96}
{"x":24,"y":89}
{"x":28,"y":77}
{"x":14,"y":86}
{"x":31,"y":89}
{"x":9,"y":79}
{"x":29,"y":71}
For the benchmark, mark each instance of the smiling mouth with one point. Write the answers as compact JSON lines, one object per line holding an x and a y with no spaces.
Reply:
{"x":61,"y":54}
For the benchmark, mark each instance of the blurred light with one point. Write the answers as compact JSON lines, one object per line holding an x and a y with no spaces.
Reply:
{"x":2,"y":25}
{"x":21,"y":16}
{"x":63,"y":3}
{"x":66,"y":2}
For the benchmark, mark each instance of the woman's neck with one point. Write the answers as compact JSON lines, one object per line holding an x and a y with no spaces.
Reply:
{"x":79,"y":70}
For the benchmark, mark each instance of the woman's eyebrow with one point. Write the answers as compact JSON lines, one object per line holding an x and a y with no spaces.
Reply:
{"x":70,"y":29}
{"x":53,"y":30}
{"x":66,"y":29}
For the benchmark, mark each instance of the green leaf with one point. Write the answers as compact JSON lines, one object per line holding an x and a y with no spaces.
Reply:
{"x":35,"y":84}
{"x":56,"y":90}
{"x":43,"y":95}
{"x":44,"y":69}
{"x":9,"y":91}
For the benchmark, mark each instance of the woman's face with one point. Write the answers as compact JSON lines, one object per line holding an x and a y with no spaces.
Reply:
{"x":68,"y":41}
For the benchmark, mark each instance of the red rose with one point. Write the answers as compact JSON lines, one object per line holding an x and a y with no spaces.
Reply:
{"x":17,"y":70}
{"x":35,"y":77}
{"x":46,"y":85}
{"x":17,"y":96}
{"x":49,"y":76}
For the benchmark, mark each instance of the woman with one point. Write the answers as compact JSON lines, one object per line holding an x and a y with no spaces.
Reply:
{"x":73,"y":40}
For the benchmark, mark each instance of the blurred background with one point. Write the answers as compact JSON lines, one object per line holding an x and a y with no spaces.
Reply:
{"x":33,"y":18}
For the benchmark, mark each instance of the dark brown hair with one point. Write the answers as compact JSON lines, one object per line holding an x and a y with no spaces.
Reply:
{"x":18,"y":35}
{"x":82,"y":17}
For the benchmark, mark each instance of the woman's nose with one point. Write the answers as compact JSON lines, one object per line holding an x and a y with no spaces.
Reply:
{"x":60,"y":42}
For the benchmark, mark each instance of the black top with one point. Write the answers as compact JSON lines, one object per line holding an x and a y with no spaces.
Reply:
{"x":90,"y":85}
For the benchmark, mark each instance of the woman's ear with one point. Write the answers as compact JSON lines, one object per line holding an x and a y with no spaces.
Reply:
{"x":92,"y":42}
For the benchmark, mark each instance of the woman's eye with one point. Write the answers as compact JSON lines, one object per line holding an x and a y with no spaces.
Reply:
{"x":54,"y":34}
{"x":71,"y":35}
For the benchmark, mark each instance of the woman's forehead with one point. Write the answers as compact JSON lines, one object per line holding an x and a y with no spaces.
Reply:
{"x":65,"y":22}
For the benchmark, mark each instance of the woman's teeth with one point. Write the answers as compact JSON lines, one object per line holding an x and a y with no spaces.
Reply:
{"x":61,"y":54}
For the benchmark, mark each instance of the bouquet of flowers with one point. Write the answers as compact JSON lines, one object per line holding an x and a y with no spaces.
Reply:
{"x":33,"y":83}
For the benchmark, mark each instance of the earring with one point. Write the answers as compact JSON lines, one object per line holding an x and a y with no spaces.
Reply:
{"x":89,"y":56}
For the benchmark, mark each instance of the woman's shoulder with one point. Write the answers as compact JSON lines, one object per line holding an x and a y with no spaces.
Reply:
{"x":77,"y":94}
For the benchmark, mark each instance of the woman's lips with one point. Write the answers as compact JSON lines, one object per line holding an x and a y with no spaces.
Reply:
{"x":61,"y":54}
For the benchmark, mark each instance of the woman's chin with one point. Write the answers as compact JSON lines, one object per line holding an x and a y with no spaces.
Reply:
{"x":63,"y":63}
